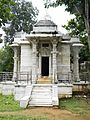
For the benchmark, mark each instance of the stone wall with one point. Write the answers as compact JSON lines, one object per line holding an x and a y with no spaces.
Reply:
{"x":64,"y":90}
{"x":63,"y":61}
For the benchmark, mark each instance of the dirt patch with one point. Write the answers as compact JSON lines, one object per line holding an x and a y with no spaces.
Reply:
{"x":49,"y":113}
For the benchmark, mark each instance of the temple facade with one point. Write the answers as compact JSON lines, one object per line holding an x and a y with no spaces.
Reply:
{"x":46,"y":52}
{"x":43,"y":71}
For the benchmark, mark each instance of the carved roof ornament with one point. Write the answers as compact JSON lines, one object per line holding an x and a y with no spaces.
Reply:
{"x":47,"y":17}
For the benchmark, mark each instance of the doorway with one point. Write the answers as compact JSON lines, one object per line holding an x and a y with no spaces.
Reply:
{"x":45,"y":66}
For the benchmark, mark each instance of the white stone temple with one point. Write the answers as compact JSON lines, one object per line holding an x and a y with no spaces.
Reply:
{"x":43,"y":58}
{"x":46,"y":52}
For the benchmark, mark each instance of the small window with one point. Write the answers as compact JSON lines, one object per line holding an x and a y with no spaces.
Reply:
{"x":45,"y":45}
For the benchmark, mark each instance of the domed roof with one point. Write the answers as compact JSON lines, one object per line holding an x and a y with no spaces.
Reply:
{"x":45,"y":23}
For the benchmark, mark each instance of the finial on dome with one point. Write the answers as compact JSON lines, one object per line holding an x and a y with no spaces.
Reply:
{"x":47,"y":16}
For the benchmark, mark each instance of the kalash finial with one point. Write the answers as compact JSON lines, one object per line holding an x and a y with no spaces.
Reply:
{"x":47,"y":16}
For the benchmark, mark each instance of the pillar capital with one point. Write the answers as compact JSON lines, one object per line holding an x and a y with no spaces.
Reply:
{"x":34,"y":41}
{"x":54,"y":52}
{"x":34,"y":52}
{"x":77,"y":47}
{"x":15,"y":58}
{"x":54,"y":42}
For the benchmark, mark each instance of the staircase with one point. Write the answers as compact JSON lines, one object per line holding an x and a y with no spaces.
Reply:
{"x":41,"y":95}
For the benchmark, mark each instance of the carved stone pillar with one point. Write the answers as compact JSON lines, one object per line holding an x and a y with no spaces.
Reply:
{"x":34,"y":61}
{"x":76,"y":64}
{"x":54,"y":60}
{"x":15,"y":69}
{"x":76,"y":49}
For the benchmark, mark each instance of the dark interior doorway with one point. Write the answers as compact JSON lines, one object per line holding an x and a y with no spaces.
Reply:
{"x":45,"y":66}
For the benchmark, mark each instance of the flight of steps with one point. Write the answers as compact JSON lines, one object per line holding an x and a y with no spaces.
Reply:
{"x":41,"y":95}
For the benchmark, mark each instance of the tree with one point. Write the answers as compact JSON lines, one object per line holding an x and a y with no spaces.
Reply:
{"x":6,"y":59}
{"x":5,"y":11}
{"x":77,"y":7}
{"x":76,"y":27}
{"x":24,"y":18}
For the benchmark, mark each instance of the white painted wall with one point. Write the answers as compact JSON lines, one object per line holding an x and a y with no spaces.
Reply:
{"x":26,"y":58}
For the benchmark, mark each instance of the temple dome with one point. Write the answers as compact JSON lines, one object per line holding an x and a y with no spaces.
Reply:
{"x":45,"y":23}
{"x":45,"y":26}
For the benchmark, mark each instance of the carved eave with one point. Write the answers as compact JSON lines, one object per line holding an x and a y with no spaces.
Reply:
{"x":24,"y":42}
{"x":77,"y":45}
{"x":66,"y":42}
{"x":66,"y":37}
{"x":15,"y":45}
{"x":75,"y":40}
{"x":43,"y":37}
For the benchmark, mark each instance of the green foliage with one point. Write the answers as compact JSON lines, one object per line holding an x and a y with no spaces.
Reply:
{"x":72,"y":6}
{"x":76,"y":105}
{"x":5,"y":11}
{"x":20,"y":117}
{"x":76,"y":27}
{"x":7,"y":103}
{"x":6,"y":59}
{"x":24,"y":18}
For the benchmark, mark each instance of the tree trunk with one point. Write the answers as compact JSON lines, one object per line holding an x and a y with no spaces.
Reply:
{"x":87,"y":19}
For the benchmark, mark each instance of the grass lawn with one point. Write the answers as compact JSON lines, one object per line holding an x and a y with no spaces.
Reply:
{"x":7,"y":104}
{"x":13,"y":117}
{"x":73,"y":108}
{"x":76,"y":105}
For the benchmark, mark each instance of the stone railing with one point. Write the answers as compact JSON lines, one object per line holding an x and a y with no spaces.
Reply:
{"x":64,"y":77}
{"x":20,"y":77}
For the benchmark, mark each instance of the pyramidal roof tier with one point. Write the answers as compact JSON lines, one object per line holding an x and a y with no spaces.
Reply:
{"x":45,"y":23}
{"x":45,"y":26}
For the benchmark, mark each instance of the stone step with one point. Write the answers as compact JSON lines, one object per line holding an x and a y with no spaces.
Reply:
{"x":41,"y":91}
{"x":42,"y":87}
{"x":40,"y":104}
{"x":40,"y":101}
{"x":41,"y":96}
{"x":44,"y":80}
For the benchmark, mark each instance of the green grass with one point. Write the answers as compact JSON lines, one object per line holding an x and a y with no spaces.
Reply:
{"x":76,"y":105}
{"x":12,"y":117}
{"x":8,"y":104}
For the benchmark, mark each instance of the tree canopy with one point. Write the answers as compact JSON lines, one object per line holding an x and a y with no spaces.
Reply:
{"x":5,"y":11}
{"x":76,"y":27}
{"x":24,"y":18}
{"x":6,"y":59}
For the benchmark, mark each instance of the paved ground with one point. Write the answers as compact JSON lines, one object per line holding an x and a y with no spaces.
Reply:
{"x":50,"y":114}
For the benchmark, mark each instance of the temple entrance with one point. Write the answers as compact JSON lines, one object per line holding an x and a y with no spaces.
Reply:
{"x":45,"y":66}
